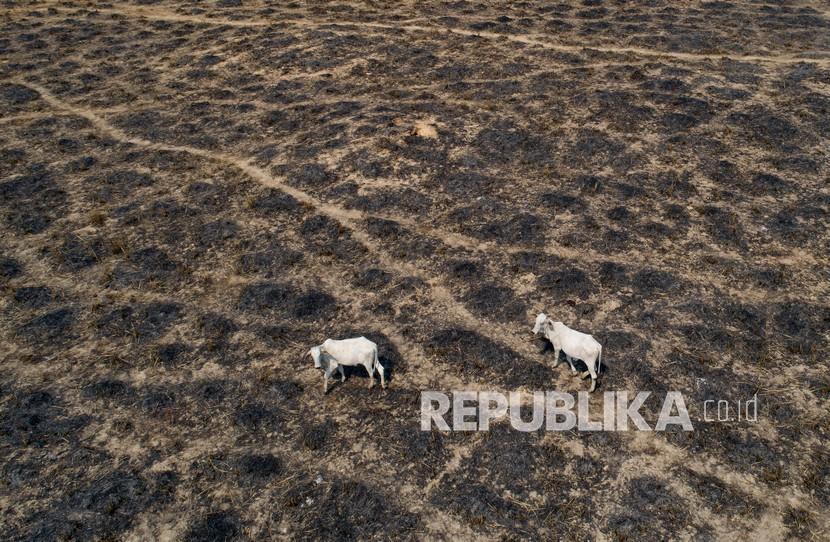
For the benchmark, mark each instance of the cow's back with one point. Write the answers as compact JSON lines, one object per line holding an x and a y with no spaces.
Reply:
{"x":579,"y":344}
{"x":343,"y":348}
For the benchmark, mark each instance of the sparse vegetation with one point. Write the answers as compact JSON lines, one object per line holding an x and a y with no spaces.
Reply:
{"x":193,"y":193}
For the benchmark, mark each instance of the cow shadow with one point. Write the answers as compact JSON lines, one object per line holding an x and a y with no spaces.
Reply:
{"x":359,"y":372}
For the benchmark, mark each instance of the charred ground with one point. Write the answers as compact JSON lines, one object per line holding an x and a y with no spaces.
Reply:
{"x":192,"y":194}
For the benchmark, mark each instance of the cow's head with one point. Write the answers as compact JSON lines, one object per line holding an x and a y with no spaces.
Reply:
{"x":540,"y":320}
{"x":316,"y":354}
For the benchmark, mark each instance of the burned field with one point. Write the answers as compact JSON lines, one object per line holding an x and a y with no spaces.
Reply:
{"x":194,"y":193}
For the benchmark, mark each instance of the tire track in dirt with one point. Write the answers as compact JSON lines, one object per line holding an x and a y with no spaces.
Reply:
{"x":529,"y":39}
{"x":48,"y":114}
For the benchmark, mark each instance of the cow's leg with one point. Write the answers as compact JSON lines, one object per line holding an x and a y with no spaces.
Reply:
{"x":555,"y":357}
{"x":571,"y":363}
{"x":371,"y":371}
{"x":592,"y":370}
{"x":382,"y":372}
{"x":342,"y":373}
{"x":326,"y":376}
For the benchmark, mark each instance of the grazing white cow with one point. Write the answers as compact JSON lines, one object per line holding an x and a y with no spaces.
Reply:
{"x":574,"y":344}
{"x":333,"y":355}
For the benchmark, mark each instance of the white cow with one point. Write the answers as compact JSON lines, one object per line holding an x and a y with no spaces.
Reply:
{"x":333,"y":355}
{"x":574,"y":344}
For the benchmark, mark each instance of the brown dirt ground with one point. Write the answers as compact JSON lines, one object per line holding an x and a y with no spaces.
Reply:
{"x":193,"y":193}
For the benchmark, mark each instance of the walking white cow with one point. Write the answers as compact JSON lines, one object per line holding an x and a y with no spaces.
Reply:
{"x":574,"y":344}
{"x":333,"y":355}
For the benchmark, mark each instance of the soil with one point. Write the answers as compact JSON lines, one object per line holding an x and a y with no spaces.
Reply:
{"x":192,"y":194}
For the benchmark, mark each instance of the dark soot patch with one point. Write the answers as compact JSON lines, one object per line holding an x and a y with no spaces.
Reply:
{"x":141,"y":322}
{"x":650,"y":281}
{"x":724,"y":226}
{"x":37,"y":418}
{"x":142,"y":266}
{"x":465,"y":183}
{"x":259,"y":466}
{"x":316,"y":437}
{"x":13,"y":94}
{"x":273,"y":201}
{"x":52,"y":327}
{"x":496,"y":302}
{"x":613,"y":275}
{"x":761,"y":125}
{"x":214,"y":325}
{"x":367,"y":515}
{"x":255,"y":416}
{"x":33,"y":297}
{"x":722,"y":498}
{"x":270,"y":262}
{"x":312,"y":175}
{"x":171,"y":353}
{"x":767,"y":183}
{"x":9,"y":268}
{"x":217,"y":232}
{"x":267,"y":296}
{"x":33,"y":200}
{"x":800,"y":523}
{"x":556,"y":201}
{"x":564,"y":283}
{"x":502,"y":472}
{"x":468,"y":352}
{"x":77,"y":253}
{"x":521,"y":228}
{"x":107,"y":389}
{"x":100,"y":508}
{"x":120,"y":183}
{"x":313,"y":305}
{"x":803,"y":326}
{"x":506,"y":142}
{"x":464,"y":269}
{"x":214,"y":527}
{"x":372,"y":278}
{"x":651,"y":511}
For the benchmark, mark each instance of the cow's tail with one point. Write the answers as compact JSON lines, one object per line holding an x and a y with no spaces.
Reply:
{"x":599,"y":360}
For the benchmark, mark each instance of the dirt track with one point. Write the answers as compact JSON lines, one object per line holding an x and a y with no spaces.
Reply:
{"x":192,"y":194}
